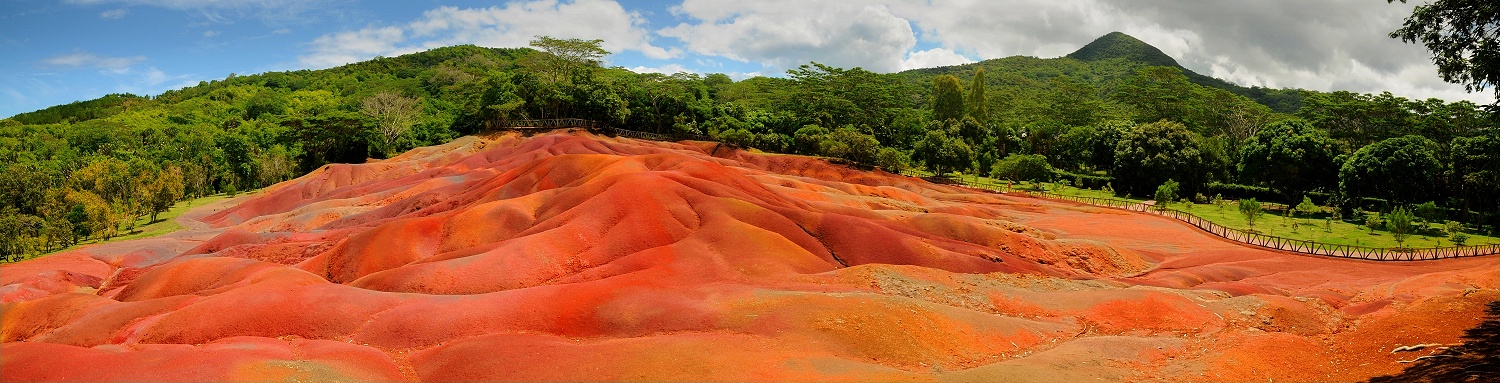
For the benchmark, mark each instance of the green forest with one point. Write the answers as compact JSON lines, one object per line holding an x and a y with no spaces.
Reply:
{"x":1117,"y":114}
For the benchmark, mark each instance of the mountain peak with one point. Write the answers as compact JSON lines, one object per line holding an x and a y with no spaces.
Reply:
{"x":1120,"y":45}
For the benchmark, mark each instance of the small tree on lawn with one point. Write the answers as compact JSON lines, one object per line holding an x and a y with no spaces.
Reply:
{"x":1401,"y":224}
{"x":1307,"y":207}
{"x":1250,"y":208}
{"x":1165,"y":194}
{"x":1456,"y":233}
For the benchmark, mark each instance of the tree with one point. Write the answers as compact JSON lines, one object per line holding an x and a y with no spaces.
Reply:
{"x":1306,"y":207}
{"x":1402,"y":170}
{"x":394,"y":114}
{"x":1476,"y":172}
{"x":1399,"y":222}
{"x":850,"y":144}
{"x":943,"y":153}
{"x":1159,"y":93}
{"x":1428,"y":212}
{"x":1022,"y":167}
{"x":560,"y":56}
{"x":1292,"y":157}
{"x":891,"y":160}
{"x":947,"y":98}
{"x":978,"y":105}
{"x":1463,"y":36}
{"x":165,"y":191}
{"x":809,"y":140}
{"x":1251,"y":209}
{"x":1165,"y":194}
{"x":1456,"y":233}
{"x":1150,"y":154}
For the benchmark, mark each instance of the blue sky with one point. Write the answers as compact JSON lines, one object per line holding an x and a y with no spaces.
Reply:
{"x":69,"y":50}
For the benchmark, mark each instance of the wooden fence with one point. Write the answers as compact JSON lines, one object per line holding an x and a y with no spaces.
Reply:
{"x":1256,"y":239}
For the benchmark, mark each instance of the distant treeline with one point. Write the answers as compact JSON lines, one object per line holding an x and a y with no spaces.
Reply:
{"x":88,"y":169}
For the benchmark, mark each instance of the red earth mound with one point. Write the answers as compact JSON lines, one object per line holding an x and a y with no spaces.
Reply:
{"x":574,"y":257}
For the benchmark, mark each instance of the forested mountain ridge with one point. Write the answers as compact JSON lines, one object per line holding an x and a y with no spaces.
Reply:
{"x":1114,"y":57}
{"x":84,"y":170}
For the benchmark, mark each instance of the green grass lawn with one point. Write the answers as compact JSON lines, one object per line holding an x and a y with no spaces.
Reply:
{"x":1272,"y":223}
{"x":145,"y":228}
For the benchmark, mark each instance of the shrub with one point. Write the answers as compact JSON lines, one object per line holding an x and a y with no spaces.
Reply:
{"x":1022,"y":167}
{"x":891,"y":160}
{"x":1086,"y":181}
{"x":1456,"y":234}
{"x":1237,"y":191}
{"x":1166,"y":193}
{"x":1372,"y":221}
{"x":1429,"y":212}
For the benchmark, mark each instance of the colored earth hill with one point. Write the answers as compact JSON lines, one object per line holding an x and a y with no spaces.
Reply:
{"x":568,"y":256}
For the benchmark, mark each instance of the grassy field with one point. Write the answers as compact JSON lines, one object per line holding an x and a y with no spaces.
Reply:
{"x":165,"y":222}
{"x":1316,"y":229}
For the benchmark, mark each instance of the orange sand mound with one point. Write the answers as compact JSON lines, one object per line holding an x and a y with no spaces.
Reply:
{"x":569,"y":256}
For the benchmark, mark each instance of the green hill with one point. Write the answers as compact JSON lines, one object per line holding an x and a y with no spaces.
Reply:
{"x":1116,"y":45}
{"x":1104,"y":63}
{"x":1120,"y":45}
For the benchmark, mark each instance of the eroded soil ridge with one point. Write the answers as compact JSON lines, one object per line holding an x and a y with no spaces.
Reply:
{"x":574,"y":257}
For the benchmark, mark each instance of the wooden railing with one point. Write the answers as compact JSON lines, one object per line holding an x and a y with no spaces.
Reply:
{"x":1256,"y":239}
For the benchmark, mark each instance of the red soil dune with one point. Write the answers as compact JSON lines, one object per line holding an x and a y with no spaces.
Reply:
{"x":574,"y":257}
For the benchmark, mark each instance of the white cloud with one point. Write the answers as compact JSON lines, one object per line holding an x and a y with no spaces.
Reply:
{"x":782,"y":34}
{"x":513,"y":25}
{"x":1322,"y":45}
{"x":210,"y":33}
{"x":113,"y":14}
{"x":664,"y":69}
{"x":85,"y":59}
{"x":934,"y":57}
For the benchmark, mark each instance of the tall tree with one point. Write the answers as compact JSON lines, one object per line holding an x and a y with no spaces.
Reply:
{"x":1464,"y":37}
{"x":560,"y":56}
{"x":947,"y":98}
{"x":394,"y":114}
{"x":1476,"y":170}
{"x":1153,"y":153}
{"x":978,"y":105}
{"x":1402,"y":170}
{"x":1292,"y":157}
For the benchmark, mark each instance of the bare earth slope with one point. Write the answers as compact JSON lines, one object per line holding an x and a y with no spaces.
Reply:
{"x":574,"y":257}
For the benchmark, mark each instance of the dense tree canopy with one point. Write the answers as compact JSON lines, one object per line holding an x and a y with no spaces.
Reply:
{"x":948,"y":98}
{"x":1464,"y":37}
{"x":1403,"y":170}
{"x":1292,"y":157}
{"x":1153,"y":153}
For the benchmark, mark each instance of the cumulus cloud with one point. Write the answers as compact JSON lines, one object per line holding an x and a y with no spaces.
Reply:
{"x":513,"y":25}
{"x":664,"y":69}
{"x":90,"y":60}
{"x":1322,"y":45}
{"x":934,"y":57}
{"x":785,"y":33}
